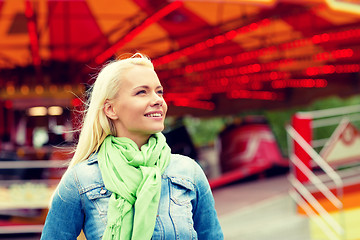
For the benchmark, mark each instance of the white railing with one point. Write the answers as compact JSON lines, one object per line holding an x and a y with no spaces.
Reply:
{"x":21,"y":229}
{"x":333,"y":228}
{"x":329,"y":225}
{"x":33,"y":164}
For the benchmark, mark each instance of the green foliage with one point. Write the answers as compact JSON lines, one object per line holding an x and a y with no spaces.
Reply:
{"x":204,"y":131}
{"x":277,"y":121}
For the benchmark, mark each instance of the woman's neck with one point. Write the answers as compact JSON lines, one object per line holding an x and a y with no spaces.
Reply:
{"x":139,"y":140}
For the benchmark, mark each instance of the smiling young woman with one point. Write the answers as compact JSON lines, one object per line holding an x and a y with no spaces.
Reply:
{"x":138,"y":109}
{"x":123,"y":182}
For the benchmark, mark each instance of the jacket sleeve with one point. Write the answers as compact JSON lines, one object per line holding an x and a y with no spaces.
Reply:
{"x":206,"y":222}
{"x":65,"y":217}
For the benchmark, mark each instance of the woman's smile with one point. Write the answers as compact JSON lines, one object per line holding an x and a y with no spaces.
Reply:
{"x":155,"y":115}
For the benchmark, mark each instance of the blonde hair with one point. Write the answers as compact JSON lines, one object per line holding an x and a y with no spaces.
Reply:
{"x":96,"y":125}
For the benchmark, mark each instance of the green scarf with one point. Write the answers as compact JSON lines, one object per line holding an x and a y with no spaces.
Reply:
{"x":134,"y":178}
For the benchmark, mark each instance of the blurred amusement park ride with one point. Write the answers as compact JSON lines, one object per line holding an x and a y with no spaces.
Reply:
{"x":214,"y":58}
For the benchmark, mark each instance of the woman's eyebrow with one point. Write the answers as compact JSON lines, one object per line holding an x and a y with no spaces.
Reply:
{"x":143,"y":86}
{"x":147,"y":87}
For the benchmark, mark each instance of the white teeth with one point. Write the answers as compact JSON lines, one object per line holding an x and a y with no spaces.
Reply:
{"x":154,"y":115}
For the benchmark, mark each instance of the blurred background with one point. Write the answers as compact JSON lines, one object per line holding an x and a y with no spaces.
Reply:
{"x":263,"y":94}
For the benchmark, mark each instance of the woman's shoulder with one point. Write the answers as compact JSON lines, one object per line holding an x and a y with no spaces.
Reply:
{"x":86,"y":173}
{"x":182,"y":166}
{"x":178,"y":160}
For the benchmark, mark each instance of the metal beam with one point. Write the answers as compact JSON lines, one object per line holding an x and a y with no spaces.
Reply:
{"x":31,"y":25}
{"x":136,"y":31}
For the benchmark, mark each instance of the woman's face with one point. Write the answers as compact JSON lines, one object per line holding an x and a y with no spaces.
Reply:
{"x":139,"y":108}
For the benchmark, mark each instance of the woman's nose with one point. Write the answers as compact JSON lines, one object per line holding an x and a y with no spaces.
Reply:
{"x":157,"y":100}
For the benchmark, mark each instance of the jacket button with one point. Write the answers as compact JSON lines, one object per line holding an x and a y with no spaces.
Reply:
{"x":102,"y":191}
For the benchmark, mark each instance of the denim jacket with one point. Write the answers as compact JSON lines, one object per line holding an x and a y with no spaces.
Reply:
{"x":186,"y":208}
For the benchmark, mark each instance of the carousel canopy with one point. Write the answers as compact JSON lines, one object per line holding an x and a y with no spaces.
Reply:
{"x":213,"y":57}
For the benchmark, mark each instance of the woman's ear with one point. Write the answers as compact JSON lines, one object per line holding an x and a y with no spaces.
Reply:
{"x":109,"y":110}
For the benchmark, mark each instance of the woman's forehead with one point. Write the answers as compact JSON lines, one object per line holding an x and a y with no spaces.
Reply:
{"x":140,"y":76}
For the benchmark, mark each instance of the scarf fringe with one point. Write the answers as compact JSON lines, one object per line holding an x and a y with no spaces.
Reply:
{"x":113,"y":230}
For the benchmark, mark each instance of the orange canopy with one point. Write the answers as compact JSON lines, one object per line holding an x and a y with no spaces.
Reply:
{"x":222,"y":56}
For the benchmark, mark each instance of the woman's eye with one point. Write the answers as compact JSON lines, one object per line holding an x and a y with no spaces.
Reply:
{"x":141,"y":92}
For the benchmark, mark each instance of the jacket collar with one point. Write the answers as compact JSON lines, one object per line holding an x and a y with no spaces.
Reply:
{"x":92,"y":159}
